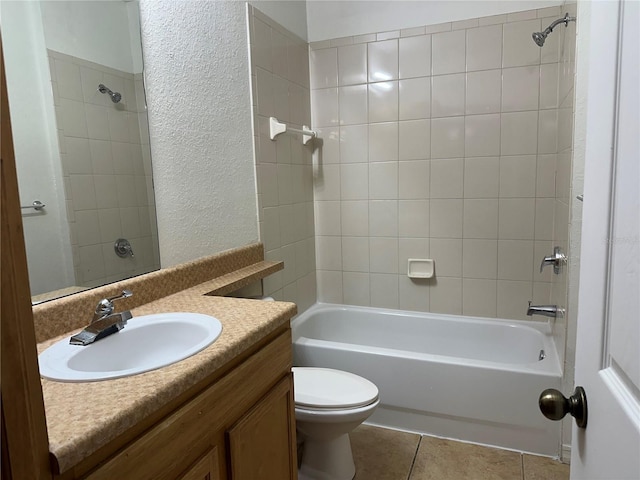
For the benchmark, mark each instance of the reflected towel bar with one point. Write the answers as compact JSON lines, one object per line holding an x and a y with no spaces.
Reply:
{"x":36,"y":205}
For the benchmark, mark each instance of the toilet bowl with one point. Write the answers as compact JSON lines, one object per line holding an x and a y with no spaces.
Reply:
{"x":328,"y":405}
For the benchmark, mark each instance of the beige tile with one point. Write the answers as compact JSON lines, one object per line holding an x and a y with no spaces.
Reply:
{"x":445,"y":218}
{"x":352,"y":64}
{"x":413,"y":218}
{"x":411,"y":248}
{"x":543,"y":468}
{"x":483,"y":91}
{"x":440,"y":459}
{"x":383,"y":218}
{"x":517,"y":47}
{"x":482,"y":135}
{"x":484,"y":48}
{"x":324,"y":105}
{"x":448,"y":52}
{"x":383,"y":142}
{"x":355,"y":254}
{"x":354,"y":181}
{"x":414,"y":139}
{"x":479,"y":297}
{"x":447,"y":256}
{"x":415,"y":56}
{"x":445,"y":296}
{"x":353,"y":104}
{"x":414,"y":293}
{"x":383,"y":255}
{"x":383,"y":60}
{"x":415,"y":98}
{"x":355,"y":288}
{"x":383,"y":101}
{"x":481,"y":177}
{"x":384,"y":290}
{"x":448,"y":95}
{"x":354,"y":146}
{"x":447,"y":136}
{"x":520,"y":88}
{"x":329,"y":286}
{"x":383,"y":181}
{"x":447,"y":178}
{"x":382,"y":454}
{"x":324,"y":68}
{"x":413,"y":179}
{"x":355,"y":218}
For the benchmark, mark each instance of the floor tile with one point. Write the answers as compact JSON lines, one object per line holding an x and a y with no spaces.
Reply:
{"x":440,"y":459}
{"x":382,"y":454}
{"x":543,"y":468}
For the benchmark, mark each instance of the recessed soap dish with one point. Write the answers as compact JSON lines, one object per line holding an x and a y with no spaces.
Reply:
{"x":420,"y":268}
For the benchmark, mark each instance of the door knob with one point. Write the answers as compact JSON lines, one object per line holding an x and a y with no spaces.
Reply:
{"x":555,"y":406}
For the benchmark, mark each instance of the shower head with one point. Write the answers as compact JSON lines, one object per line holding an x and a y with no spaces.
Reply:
{"x":540,"y":37}
{"x":115,"y":96}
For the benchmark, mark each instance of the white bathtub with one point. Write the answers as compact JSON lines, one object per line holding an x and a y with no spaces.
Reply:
{"x":472,"y":379}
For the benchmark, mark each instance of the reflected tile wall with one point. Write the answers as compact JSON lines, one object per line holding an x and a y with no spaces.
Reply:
{"x":280,"y":88}
{"x":106,"y":163}
{"x":467,"y":126}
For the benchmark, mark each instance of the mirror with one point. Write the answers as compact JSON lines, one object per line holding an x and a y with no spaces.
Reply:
{"x":78,"y":113}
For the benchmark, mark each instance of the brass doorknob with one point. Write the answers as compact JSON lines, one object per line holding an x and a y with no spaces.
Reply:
{"x":555,"y":406}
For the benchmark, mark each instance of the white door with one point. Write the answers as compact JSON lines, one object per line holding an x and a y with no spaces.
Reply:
{"x":608,"y":338}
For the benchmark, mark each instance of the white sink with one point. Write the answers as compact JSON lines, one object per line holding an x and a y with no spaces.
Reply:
{"x":145,"y":343}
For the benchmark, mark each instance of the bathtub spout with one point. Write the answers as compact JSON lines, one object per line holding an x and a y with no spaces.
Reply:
{"x":546,"y":310}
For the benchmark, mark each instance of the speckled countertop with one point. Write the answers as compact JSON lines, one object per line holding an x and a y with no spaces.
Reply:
{"x":82,"y":417}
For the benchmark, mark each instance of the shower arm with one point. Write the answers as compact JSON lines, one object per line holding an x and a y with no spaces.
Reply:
{"x":555,"y":23}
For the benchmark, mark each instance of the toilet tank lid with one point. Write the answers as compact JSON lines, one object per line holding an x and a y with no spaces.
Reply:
{"x":328,"y":388}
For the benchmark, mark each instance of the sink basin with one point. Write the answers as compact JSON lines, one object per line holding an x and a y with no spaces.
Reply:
{"x":146,"y":343}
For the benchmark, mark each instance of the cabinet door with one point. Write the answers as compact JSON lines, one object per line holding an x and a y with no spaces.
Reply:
{"x":262,"y":443}
{"x":204,"y":469}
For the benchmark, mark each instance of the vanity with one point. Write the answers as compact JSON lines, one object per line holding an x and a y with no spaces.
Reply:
{"x":226,"y":412}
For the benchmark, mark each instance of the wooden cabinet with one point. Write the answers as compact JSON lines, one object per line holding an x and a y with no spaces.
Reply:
{"x":205,"y":469}
{"x":241,"y":427}
{"x":260,"y":443}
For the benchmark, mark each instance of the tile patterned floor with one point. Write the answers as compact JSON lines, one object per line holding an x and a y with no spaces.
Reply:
{"x":383,"y":454}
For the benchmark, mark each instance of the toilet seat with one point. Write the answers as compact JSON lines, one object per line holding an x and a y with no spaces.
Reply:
{"x":328,"y":389}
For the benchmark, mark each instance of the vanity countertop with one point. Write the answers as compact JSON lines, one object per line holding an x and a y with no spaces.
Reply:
{"x":83,"y":417}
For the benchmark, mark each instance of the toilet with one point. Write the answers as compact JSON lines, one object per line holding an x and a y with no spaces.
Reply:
{"x":328,"y":405}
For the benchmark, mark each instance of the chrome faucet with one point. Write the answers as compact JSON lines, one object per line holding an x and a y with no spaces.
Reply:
{"x":104,"y":322}
{"x":546,"y":310}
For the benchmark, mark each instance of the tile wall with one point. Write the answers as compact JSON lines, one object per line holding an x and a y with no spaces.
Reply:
{"x":441,"y":142}
{"x":106,"y":161}
{"x":284,"y":172}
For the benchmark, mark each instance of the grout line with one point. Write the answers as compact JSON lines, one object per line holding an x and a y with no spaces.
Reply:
{"x":413,"y":462}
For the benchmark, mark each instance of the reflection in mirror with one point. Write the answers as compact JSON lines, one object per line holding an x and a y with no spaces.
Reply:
{"x":78,"y":113}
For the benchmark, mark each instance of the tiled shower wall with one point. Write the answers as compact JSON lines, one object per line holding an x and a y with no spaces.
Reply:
{"x":106,"y":163}
{"x":284,"y":173}
{"x":439,"y":142}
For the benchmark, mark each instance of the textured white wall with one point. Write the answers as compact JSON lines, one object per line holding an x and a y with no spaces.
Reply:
{"x":334,"y":19}
{"x":36,"y":147}
{"x":197,"y":79}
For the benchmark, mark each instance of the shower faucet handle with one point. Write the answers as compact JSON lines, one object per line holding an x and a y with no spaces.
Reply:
{"x":557,"y":260}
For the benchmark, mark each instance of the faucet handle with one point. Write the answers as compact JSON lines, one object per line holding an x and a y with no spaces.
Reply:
{"x":124,"y":294}
{"x":557,"y":260}
{"x":105,"y":306}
